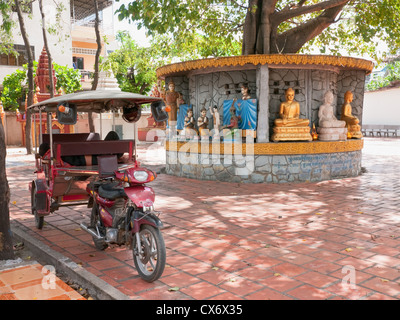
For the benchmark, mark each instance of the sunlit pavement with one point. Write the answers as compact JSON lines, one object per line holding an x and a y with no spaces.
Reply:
{"x":334,"y":239}
{"x":34,"y":282}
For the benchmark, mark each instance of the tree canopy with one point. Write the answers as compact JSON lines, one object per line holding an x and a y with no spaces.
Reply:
{"x":132,"y":65}
{"x":389,"y":78}
{"x":274,"y":26}
{"x":15,"y":88}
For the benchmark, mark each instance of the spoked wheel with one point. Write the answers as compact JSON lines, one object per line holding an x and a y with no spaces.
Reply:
{"x":39,"y":220}
{"x":95,"y":223}
{"x":150,"y":261}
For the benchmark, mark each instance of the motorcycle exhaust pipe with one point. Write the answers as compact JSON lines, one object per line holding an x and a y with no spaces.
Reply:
{"x":90,"y":231}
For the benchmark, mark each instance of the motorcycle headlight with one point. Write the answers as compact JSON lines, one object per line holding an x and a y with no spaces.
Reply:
{"x":141,"y":175}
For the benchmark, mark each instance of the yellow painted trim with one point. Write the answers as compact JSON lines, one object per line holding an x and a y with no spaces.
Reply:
{"x":272,"y":148}
{"x":270,"y":59}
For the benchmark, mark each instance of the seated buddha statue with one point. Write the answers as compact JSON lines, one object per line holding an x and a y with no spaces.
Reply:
{"x":353,"y":128}
{"x":330,"y":128}
{"x":290,"y":126}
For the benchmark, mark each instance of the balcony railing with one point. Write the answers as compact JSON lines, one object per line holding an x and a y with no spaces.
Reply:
{"x":86,"y":75}
{"x":91,"y":24}
{"x":83,"y":23}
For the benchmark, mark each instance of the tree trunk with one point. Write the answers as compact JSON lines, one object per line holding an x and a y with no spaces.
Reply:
{"x":46,"y":45}
{"x":143,"y":88}
{"x":257,"y":27}
{"x":96,"y":62}
{"x":98,"y":51}
{"x":263,"y":44}
{"x":260,"y":34}
{"x":6,"y":243}
{"x":250,"y":27}
{"x":31,"y":83}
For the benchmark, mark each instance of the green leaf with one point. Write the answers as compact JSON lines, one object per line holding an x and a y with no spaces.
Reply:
{"x":174,"y":289}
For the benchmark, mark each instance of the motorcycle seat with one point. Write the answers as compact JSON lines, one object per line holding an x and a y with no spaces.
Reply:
{"x":111,"y":191}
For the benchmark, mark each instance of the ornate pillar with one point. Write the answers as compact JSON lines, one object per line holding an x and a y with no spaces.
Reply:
{"x":263,"y":103}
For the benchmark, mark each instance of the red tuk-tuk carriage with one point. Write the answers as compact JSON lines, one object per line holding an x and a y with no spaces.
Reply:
{"x":81,"y":169}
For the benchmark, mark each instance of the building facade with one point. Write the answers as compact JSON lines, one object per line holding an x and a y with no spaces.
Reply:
{"x":73,"y":45}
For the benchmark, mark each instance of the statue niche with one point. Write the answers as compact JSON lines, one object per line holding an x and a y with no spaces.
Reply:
{"x":289,"y":126}
{"x":353,"y":128}
{"x":330,"y":128}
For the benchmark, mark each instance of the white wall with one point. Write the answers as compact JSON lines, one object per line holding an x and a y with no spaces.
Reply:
{"x":60,"y":49}
{"x":382,"y":107}
{"x":107,"y":124}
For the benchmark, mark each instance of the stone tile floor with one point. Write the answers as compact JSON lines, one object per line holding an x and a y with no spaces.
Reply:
{"x":33,"y":282}
{"x":331,"y":240}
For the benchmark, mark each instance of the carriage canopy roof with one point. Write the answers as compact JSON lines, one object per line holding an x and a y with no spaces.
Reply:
{"x":94,"y":101}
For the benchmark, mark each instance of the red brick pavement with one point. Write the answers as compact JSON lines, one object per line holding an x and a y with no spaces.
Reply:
{"x":250,"y":241}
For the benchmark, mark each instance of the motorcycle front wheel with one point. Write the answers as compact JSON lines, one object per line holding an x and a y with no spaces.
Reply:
{"x":150,"y":259}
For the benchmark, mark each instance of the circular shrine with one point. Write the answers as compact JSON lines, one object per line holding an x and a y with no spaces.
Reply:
{"x":298,"y":119}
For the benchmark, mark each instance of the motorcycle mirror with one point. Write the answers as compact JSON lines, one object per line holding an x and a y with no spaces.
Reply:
{"x":131,"y":113}
{"x":158,"y":111}
{"x":66,"y":113}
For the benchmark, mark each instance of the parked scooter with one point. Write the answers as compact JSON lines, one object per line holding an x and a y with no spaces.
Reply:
{"x":123,"y":213}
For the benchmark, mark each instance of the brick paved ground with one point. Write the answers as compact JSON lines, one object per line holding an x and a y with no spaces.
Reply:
{"x":234,"y":241}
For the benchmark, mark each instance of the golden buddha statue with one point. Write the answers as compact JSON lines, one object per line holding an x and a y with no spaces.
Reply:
{"x":353,"y":128}
{"x":290,"y":126}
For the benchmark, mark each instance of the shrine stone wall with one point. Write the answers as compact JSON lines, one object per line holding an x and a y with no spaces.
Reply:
{"x":264,"y":168}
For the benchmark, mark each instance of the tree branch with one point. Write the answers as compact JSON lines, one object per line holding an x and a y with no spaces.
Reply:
{"x":283,"y":15}
{"x":239,"y":5}
{"x":292,"y":40}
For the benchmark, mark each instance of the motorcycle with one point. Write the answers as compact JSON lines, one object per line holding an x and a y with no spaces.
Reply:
{"x":123,"y":213}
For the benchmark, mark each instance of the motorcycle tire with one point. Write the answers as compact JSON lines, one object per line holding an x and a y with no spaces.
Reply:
{"x":150,"y":262}
{"x":96,"y":222}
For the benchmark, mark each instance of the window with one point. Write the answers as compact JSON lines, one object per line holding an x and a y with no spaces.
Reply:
{"x":20,"y":60}
{"x":118,"y":128}
{"x":78,"y":63}
{"x":84,"y":51}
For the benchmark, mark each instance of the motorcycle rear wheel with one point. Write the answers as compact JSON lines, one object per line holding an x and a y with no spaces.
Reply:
{"x":150,"y":261}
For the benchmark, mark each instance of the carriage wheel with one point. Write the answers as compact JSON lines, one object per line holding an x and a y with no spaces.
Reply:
{"x":39,"y":220}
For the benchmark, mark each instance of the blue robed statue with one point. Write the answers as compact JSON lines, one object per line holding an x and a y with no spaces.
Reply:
{"x":246,"y":111}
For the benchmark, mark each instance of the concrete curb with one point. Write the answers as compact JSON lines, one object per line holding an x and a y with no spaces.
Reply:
{"x":96,"y":287}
